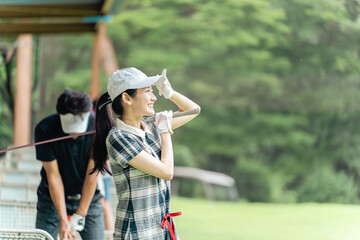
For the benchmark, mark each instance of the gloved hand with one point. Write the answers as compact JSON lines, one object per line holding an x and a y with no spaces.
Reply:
{"x":164,"y":86}
{"x":163,"y":120}
{"x":77,"y":222}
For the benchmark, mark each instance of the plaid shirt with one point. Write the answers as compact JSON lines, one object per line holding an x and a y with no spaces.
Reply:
{"x":143,"y":200}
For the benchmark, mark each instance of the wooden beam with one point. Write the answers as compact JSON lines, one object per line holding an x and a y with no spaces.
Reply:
{"x":14,"y":28}
{"x":49,"y":2}
{"x":10,"y":11}
{"x":106,"y":6}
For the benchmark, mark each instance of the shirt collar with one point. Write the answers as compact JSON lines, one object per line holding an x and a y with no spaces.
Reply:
{"x":136,"y":131}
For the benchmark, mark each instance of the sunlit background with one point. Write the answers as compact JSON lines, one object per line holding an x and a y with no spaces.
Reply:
{"x":278,"y":84}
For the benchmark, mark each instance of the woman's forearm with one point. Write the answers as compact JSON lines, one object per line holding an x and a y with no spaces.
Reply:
{"x":167,"y":155}
{"x":183,"y":102}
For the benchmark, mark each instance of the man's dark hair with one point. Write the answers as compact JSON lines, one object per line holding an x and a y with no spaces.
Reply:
{"x":74,"y":102}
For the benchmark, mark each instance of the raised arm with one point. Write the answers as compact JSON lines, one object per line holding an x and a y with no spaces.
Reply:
{"x":181,"y":101}
{"x":184,"y":104}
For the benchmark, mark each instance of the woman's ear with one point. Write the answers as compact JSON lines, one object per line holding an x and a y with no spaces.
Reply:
{"x":126,"y":98}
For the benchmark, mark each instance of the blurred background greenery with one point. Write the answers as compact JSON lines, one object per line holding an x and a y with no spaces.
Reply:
{"x":202,"y":220}
{"x":277,"y":80}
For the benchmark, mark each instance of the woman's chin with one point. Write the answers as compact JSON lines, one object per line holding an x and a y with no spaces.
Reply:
{"x":150,"y":113}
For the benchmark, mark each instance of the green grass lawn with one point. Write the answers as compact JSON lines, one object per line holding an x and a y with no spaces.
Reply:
{"x":209,"y":220}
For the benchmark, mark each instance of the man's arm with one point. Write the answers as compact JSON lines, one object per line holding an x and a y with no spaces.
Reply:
{"x":88,"y":190}
{"x":56,"y":188}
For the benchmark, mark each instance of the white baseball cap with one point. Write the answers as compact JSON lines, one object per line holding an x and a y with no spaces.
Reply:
{"x":129,"y":78}
{"x":71,"y":123}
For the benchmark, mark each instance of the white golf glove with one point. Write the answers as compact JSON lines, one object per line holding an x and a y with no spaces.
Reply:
{"x":163,"y":120}
{"x":164,"y":86}
{"x":77,"y":222}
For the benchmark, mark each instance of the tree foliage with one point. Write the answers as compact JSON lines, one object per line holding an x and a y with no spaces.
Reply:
{"x":271,"y":77}
{"x":277,"y":80}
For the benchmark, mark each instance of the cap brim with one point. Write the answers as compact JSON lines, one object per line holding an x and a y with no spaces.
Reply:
{"x":74,"y":124}
{"x":146,"y":82}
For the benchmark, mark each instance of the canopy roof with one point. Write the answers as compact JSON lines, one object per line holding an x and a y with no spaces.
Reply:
{"x":55,"y":16}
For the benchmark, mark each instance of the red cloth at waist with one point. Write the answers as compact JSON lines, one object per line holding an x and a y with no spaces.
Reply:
{"x":165,"y":222}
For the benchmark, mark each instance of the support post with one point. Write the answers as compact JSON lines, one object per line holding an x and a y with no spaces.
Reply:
{"x":103,"y":53}
{"x":108,"y":56}
{"x":22,"y":106}
{"x":95,"y":85}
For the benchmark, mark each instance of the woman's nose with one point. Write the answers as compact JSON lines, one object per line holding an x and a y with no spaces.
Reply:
{"x":153,"y":97}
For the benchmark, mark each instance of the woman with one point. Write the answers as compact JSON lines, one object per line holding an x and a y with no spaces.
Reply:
{"x":140,"y":153}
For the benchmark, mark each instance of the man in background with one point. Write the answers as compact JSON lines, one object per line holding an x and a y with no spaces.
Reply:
{"x":66,"y":188}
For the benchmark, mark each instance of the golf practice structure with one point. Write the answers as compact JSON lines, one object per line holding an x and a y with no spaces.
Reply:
{"x":83,"y":139}
{"x":149,"y":119}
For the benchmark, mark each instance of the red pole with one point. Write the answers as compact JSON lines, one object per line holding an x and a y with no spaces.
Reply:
{"x":22,"y":108}
{"x":95,"y":85}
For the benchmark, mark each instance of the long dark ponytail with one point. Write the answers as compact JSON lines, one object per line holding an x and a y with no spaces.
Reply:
{"x":103,"y":123}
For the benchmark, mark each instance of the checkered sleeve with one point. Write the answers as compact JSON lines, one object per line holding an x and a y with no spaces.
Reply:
{"x":122,"y":148}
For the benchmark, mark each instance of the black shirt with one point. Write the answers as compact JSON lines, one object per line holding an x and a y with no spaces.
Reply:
{"x":72,"y":155}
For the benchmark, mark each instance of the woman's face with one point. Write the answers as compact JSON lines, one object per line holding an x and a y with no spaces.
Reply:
{"x":144,"y":101}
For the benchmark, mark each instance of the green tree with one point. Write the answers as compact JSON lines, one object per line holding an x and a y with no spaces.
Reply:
{"x":6,"y":91}
{"x":277,"y":81}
